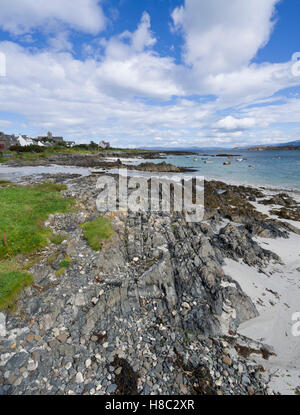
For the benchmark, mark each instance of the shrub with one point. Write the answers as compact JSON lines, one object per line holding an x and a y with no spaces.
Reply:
{"x":33,"y":148}
{"x":65,"y":263}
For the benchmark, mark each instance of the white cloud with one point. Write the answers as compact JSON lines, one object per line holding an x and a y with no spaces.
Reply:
{"x":126,"y":92}
{"x":21,"y":16}
{"x":221,"y":38}
{"x":143,"y":38}
{"x":131,"y":68}
{"x":231,"y":124}
{"x":60,"y":42}
{"x":128,"y":43}
{"x":74,"y":98}
{"x":94,"y":99}
{"x":223,"y":35}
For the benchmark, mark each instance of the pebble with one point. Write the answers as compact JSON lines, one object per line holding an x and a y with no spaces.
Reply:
{"x":111,"y":388}
{"x":227,"y":360}
{"x":29,"y":338}
{"x":79,"y":378}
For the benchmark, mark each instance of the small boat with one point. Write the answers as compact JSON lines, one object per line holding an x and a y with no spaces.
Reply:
{"x":227,"y":163}
{"x":196,"y":159}
{"x":239,"y":160}
{"x":208,"y":162}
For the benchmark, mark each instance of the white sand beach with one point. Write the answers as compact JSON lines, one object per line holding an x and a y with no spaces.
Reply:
{"x":276,"y":294}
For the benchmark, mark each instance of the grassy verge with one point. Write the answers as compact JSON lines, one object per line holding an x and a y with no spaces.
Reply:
{"x":32,"y":156}
{"x":11,"y":284}
{"x":23,"y":209}
{"x":97,"y":231}
{"x":51,"y":151}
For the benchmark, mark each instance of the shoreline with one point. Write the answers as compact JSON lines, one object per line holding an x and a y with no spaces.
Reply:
{"x":276,"y":293}
{"x":265,"y":187}
{"x":113,"y":159}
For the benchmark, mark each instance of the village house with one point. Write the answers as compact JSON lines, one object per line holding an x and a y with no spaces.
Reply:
{"x":51,"y":139}
{"x":104,"y":145}
{"x":6,"y":141}
{"x":24,"y":141}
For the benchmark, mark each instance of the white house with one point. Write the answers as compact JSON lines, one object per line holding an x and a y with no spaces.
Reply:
{"x":23,"y":142}
{"x":104,"y":145}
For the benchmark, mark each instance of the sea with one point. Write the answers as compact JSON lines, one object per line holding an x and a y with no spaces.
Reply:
{"x":273,"y":169}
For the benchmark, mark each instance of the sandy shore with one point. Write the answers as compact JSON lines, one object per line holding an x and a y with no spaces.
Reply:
{"x":276,"y":294}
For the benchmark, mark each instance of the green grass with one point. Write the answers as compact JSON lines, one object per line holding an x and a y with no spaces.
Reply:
{"x":23,"y":209}
{"x":57,"y":239}
{"x":11,"y":284}
{"x":66,"y":263}
{"x":60,"y":272}
{"x":97,"y":231}
{"x":22,"y":212}
{"x":63,"y":266}
{"x":50,"y":151}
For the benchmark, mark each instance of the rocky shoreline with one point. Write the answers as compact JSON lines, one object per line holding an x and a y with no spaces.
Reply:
{"x":107,"y":160}
{"x":153,"y":312}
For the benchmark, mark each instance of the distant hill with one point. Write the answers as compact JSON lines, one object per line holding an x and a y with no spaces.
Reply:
{"x":187,"y":149}
{"x":291,"y":143}
{"x":275,"y":146}
{"x":287,"y":147}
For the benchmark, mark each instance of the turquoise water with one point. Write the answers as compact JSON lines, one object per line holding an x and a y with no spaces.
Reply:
{"x":279,"y":169}
{"x":269,"y":168}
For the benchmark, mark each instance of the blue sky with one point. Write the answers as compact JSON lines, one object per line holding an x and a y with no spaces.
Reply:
{"x":173,"y":73}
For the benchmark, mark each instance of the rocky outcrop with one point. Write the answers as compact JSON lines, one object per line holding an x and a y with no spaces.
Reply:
{"x":281,"y":199}
{"x":153,"y":304}
{"x":160,"y":168}
{"x":236,"y":243}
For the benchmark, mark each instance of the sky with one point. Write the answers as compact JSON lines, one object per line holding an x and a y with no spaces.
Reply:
{"x":152,"y":73}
